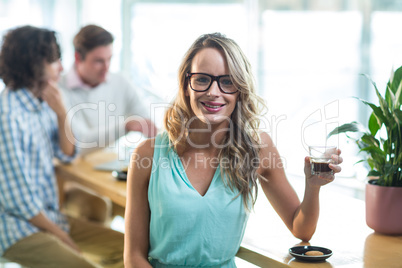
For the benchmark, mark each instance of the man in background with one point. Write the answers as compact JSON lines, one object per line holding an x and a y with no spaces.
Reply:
{"x":102,"y":107}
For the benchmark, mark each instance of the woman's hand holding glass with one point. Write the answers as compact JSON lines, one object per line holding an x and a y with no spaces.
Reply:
{"x":323,"y":178}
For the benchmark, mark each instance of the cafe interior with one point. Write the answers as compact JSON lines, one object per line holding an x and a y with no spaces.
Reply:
{"x":313,"y":61}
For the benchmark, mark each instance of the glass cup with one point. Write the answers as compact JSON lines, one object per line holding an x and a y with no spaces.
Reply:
{"x":320,"y":158}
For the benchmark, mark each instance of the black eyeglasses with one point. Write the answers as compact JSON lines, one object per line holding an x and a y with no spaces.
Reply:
{"x":201,"y":82}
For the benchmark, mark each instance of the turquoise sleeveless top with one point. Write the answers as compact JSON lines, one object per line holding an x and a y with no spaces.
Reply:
{"x":187,"y":229}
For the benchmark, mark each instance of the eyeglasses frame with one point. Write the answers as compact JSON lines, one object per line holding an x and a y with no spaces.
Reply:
{"x":213,"y":78}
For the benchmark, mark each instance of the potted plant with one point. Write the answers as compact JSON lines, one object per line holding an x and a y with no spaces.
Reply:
{"x":381,"y":144}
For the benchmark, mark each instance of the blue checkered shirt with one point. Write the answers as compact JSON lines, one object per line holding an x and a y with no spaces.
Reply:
{"x":28,"y":143}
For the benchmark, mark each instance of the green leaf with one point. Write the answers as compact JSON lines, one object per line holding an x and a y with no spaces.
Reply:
{"x":377,"y":155}
{"x":349,"y":127}
{"x":398,"y":114}
{"x":370,"y":140}
{"x":370,"y":161}
{"x":361,"y":144}
{"x":373,"y":149}
{"x":398,"y":97}
{"x":387,"y":97}
{"x":377,"y":112}
{"x":374,"y":173}
{"x":384,"y":106}
{"x":399,"y":159}
{"x":385,"y":146}
{"x":373,"y":124}
{"x":395,"y":80}
{"x":390,"y":97}
{"x":389,"y":171}
{"x":360,"y":161}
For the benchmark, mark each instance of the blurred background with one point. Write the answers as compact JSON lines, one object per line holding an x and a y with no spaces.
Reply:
{"x":308,"y":56}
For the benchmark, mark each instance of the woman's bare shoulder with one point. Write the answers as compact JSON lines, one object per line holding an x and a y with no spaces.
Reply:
{"x":270,"y":160}
{"x":145,"y":148}
{"x":142,"y":157}
{"x":266,"y":141}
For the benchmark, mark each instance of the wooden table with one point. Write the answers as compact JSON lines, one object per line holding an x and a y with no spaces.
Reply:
{"x":341,"y":226}
{"x":82,"y":171}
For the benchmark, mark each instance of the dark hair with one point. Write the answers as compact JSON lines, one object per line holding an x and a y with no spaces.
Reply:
{"x":90,"y":37}
{"x":23,"y":55}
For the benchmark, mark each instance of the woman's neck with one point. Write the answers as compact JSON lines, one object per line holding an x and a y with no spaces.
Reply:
{"x":204,"y":137}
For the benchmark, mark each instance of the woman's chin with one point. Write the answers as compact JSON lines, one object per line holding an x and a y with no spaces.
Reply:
{"x":216,"y":119}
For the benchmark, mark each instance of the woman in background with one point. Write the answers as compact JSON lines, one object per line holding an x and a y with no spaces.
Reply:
{"x":191,"y":188}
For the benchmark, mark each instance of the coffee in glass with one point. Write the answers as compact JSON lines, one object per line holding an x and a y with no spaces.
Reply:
{"x":320,"y":158}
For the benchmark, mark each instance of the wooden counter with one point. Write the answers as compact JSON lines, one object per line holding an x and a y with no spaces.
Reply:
{"x":341,"y":226}
{"x":82,"y":171}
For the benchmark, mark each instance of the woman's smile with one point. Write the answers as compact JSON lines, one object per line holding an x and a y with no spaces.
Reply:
{"x":212,"y":107}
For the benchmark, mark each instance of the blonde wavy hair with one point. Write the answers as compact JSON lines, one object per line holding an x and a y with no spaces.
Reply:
{"x":243,"y":143}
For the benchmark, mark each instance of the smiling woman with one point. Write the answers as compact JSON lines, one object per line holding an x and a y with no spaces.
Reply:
{"x":190,"y":208}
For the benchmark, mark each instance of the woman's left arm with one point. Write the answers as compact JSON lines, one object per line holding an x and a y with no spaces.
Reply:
{"x":300,"y":218}
{"x":51,"y":94}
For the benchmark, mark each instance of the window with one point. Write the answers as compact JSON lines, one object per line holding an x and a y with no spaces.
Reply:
{"x":162,"y":33}
{"x":310,"y":65}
